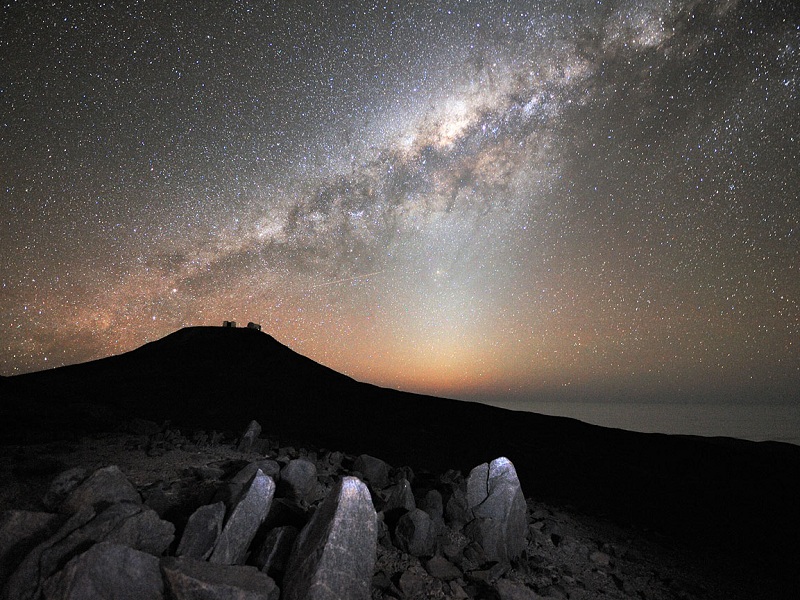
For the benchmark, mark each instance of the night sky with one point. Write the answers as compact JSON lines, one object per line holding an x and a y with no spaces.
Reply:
{"x":499,"y":199}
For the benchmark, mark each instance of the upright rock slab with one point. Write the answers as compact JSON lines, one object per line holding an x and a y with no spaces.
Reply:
{"x":202,"y":531}
{"x":244,"y":520}
{"x":275,"y":551}
{"x":495,"y":497}
{"x":249,"y":437}
{"x":334,"y":556}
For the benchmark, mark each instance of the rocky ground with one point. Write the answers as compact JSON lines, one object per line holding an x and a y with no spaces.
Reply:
{"x":430,"y":541}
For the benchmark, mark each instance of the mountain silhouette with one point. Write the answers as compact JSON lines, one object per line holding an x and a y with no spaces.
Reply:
{"x":718,"y":495}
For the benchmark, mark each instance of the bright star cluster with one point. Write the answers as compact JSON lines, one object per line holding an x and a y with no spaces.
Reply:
{"x":579,"y":199}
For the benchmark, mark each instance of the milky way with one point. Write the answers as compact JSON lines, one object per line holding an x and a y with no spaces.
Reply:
{"x":476,"y":199}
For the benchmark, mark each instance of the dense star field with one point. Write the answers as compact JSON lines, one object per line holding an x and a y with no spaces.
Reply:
{"x":473,"y":199}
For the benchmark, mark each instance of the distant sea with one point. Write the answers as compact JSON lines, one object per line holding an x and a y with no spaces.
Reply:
{"x":779,"y":423}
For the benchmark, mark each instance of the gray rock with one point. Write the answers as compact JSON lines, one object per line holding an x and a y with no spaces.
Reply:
{"x":107,"y":571}
{"x":239,"y":483}
{"x":374,"y":470}
{"x":334,"y":556}
{"x":123,"y":523}
{"x":400,"y":497}
{"x":433,"y":504}
{"x":414,"y":583}
{"x":62,"y":485}
{"x":249,"y":437}
{"x":600,"y":558}
{"x":243,"y":521}
{"x":488,"y":534}
{"x":452,"y":544}
{"x":24,"y":582}
{"x":477,"y":485}
{"x":457,"y":512}
{"x":208,"y":472}
{"x":275,"y":551}
{"x":190,"y":579}
{"x":441,"y":568}
{"x":416,"y":533}
{"x":202,"y":531}
{"x":144,"y":530}
{"x":331,"y":461}
{"x":495,"y":497}
{"x":20,"y":532}
{"x":513,"y":590}
{"x":298,"y":480}
{"x":105,"y":486}
{"x":156,"y":497}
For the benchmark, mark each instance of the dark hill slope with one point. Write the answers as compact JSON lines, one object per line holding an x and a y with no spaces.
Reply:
{"x":721,"y":495}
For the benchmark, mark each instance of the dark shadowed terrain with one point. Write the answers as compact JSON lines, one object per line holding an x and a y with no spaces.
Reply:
{"x":733,"y":503}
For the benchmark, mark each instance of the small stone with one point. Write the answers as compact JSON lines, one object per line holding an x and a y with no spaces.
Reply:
{"x":513,"y":590}
{"x":600,"y":558}
{"x":334,"y":555}
{"x":441,"y":568}
{"x":191,"y":579}
{"x":202,"y":531}
{"x":107,"y":571}
{"x":413,"y":582}
{"x":457,"y":592}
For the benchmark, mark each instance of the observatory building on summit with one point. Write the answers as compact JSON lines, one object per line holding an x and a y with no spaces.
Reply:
{"x":250,"y":325}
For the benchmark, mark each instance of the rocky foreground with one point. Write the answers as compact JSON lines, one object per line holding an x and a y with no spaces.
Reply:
{"x":152,"y":514}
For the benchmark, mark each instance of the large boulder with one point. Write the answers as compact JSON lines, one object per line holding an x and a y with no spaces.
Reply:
{"x":132,"y":525}
{"x":105,"y":486}
{"x":202,"y":531}
{"x":190,"y":579}
{"x":400,"y":498}
{"x":299,"y":481}
{"x":107,"y":571}
{"x":20,"y":532}
{"x":334,"y":555}
{"x":244,"y":520}
{"x":374,"y":470}
{"x":495,"y":498}
{"x":416,"y":533}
